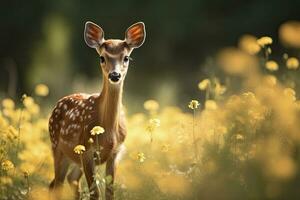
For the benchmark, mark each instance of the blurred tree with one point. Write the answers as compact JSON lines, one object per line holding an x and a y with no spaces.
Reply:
{"x":180,"y":35}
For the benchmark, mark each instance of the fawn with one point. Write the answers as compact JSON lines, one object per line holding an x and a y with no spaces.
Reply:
{"x":74,"y":116}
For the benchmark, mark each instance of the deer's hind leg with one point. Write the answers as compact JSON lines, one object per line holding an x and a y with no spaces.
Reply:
{"x":73,"y":179}
{"x":61,"y":165}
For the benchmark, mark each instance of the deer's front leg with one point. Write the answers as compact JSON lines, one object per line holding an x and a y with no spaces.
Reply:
{"x":110,"y":172}
{"x":89,"y":171}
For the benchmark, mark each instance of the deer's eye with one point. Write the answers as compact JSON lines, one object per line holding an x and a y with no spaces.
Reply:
{"x":126,"y":59}
{"x":102,"y":59}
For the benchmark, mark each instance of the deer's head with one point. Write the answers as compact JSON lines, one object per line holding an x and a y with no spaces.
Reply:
{"x":114,"y":54}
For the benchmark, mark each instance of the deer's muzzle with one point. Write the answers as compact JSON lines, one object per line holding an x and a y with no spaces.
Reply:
{"x":114,"y":76}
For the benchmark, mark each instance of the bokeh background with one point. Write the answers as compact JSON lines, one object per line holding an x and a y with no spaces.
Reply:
{"x":212,"y":97}
{"x":42,"y":42}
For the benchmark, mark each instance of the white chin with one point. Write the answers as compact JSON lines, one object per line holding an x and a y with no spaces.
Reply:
{"x":114,"y":83}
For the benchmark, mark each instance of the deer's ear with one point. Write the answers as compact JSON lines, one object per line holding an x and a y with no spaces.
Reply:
{"x":93,"y":35}
{"x":135,"y":35}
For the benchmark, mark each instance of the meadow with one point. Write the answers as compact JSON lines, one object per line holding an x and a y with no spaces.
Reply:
{"x":241,"y":141}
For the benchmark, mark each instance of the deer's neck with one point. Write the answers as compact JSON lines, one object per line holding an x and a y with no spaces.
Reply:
{"x":110,"y":102}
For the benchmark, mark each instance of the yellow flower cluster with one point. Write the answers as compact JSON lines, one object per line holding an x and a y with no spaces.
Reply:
{"x":141,"y":157}
{"x":204,"y":84}
{"x":249,"y":44}
{"x":151,"y":105}
{"x":272,"y":65}
{"x":7,"y":165}
{"x":292,"y":63}
{"x":264,"y":41}
{"x":97,"y":130}
{"x":79,"y":149}
{"x":194,"y":104}
{"x":41,"y":90}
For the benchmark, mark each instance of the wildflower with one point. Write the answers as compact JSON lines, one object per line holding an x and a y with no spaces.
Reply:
{"x":263,"y":41}
{"x":91,"y":141}
{"x":236,"y":62}
{"x":97,"y":130}
{"x":153,"y":123}
{"x":79,"y":149}
{"x":270,"y":80}
{"x":34,"y":109}
{"x":26,"y":174}
{"x":285,"y":56}
{"x":248,"y":43}
{"x":272,"y":65}
{"x":239,"y":137}
{"x":151,"y":105}
{"x":141,"y":157}
{"x":24,"y":96}
{"x":41,"y":90}
{"x":292,"y":63}
{"x":204,"y":84}
{"x":7,"y":165}
{"x":210,"y":105}
{"x":194,"y":104}
{"x":28,"y":101}
{"x":219,"y":89}
{"x":12,"y":133}
{"x":8,"y":103}
{"x":289,"y":34}
{"x":289,"y":92}
{"x":6,"y":180}
{"x":165,"y":148}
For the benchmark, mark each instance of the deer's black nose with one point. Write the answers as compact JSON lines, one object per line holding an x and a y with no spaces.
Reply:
{"x":114,"y":76}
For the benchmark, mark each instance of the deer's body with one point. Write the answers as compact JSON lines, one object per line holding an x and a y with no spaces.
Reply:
{"x":74,"y":116}
{"x":77,"y":114}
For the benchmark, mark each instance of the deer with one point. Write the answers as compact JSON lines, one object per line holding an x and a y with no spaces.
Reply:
{"x":75,"y":115}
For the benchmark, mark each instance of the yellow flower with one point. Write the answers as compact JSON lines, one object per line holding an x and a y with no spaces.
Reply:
{"x":211,"y":105}
{"x":204,"y":84}
{"x":289,"y":92}
{"x":41,"y":90}
{"x":79,"y":149}
{"x":141,"y":157}
{"x":270,"y":80}
{"x":97,"y":130}
{"x":219,"y":89}
{"x":292,"y":63}
{"x":249,"y":44}
{"x":165,"y":148}
{"x":154,"y":122}
{"x":272,"y":65}
{"x":6,"y":180}
{"x":28,"y":101}
{"x":7,"y":165}
{"x":194,"y":104}
{"x":151,"y":105}
{"x":8,"y":103}
{"x":263,"y":41}
{"x":25,"y":174}
{"x":289,"y":34}
{"x":91,"y":141}
{"x":239,"y":137}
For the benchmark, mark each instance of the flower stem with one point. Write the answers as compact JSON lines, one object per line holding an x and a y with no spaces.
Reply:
{"x":194,"y":138}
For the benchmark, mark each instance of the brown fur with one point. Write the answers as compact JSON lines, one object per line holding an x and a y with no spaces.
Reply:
{"x":75,"y":116}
